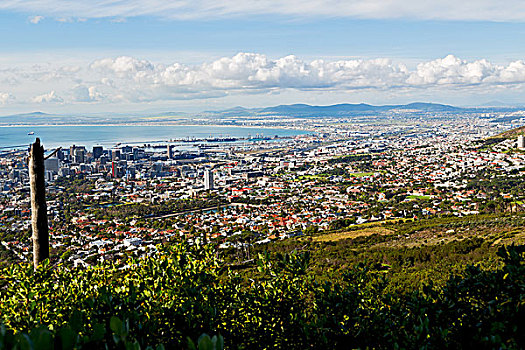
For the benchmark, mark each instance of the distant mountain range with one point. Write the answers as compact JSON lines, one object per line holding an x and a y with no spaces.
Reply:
{"x":343,"y":109}
{"x":291,"y":111}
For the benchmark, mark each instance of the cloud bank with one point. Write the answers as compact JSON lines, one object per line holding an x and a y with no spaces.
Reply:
{"x":487,"y":10}
{"x":132,"y":80}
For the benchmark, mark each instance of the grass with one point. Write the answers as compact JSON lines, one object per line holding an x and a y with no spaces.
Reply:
{"x":418,"y":197}
{"x":360,"y":174}
{"x":368,"y":231}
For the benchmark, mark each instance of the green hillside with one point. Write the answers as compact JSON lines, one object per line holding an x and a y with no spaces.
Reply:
{"x":454,"y":283}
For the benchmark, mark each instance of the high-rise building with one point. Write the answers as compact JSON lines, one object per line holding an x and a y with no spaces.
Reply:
{"x":115,"y":154}
{"x":98,"y":151}
{"x":60,"y":154}
{"x":521,"y":142}
{"x":77,"y":154}
{"x":169,"y":154}
{"x":208,"y":179}
{"x":138,"y":153}
{"x":52,"y":165}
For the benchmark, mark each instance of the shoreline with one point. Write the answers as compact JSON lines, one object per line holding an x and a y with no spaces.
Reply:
{"x":160,"y":124}
{"x":44,"y":128}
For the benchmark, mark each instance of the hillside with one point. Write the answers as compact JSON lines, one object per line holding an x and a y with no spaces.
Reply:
{"x":276,"y":301}
{"x":337,"y":110}
{"x":510,"y":134}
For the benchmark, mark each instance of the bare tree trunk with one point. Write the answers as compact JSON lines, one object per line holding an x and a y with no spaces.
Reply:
{"x":38,"y":204}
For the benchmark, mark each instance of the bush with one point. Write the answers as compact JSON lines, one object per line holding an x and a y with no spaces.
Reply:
{"x":186,"y":291}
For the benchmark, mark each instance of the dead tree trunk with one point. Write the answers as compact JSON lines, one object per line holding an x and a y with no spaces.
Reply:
{"x":38,"y":204}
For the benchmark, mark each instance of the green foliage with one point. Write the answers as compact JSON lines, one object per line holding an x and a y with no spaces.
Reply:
{"x":186,"y":292}
{"x":69,"y":338}
{"x":207,"y":343}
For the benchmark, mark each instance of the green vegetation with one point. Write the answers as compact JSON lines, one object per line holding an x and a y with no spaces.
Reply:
{"x":418,"y":197}
{"x":360,"y":174}
{"x":278,"y":302}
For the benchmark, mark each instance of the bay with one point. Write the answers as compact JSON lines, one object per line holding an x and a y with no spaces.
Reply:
{"x":111,"y":135}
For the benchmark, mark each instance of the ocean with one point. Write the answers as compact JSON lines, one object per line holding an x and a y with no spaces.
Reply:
{"x":109,"y":136}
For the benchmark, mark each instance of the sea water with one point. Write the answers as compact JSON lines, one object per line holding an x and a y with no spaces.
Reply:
{"x":108,"y":136}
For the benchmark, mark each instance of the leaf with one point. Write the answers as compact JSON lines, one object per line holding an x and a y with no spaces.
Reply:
{"x":132,"y":346}
{"x":219,"y":343}
{"x":41,"y":338}
{"x":98,"y":332}
{"x":67,"y":338}
{"x":191,"y":344}
{"x":24,"y":342}
{"x":76,"y":321}
{"x":205,"y":342}
{"x":115,"y":324}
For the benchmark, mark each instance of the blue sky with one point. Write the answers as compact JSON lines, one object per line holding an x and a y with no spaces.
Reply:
{"x":66,"y":56}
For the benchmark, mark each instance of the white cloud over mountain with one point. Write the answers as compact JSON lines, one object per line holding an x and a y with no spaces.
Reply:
{"x":127,"y":79}
{"x":491,"y":10}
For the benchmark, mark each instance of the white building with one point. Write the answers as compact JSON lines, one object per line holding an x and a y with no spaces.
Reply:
{"x":135,"y":241}
{"x":208,"y":180}
{"x":521,"y":142}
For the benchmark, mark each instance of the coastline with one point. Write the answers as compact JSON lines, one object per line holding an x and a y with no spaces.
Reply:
{"x":154,"y":124}
{"x":117,"y":133}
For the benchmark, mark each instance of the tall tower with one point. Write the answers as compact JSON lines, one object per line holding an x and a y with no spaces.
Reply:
{"x":521,"y":142}
{"x":208,"y":179}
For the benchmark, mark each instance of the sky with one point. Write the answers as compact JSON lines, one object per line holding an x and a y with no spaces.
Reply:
{"x":75,"y":56}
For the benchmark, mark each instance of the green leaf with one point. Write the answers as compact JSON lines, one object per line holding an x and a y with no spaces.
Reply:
{"x":42,"y":338}
{"x":24,"y":342}
{"x":67,"y":338}
{"x":98,"y":332}
{"x":132,"y":346}
{"x":191,"y":344}
{"x":76,"y":321}
{"x":219,"y":344}
{"x":115,"y":324}
{"x":205,"y":342}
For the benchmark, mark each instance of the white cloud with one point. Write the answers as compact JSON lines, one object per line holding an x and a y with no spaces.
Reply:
{"x":128,"y":79}
{"x":491,"y":10}
{"x":122,"y":65}
{"x":36,"y":19}
{"x":82,"y":93}
{"x":251,"y":71}
{"x":50,"y":97}
{"x":5,"y":98}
